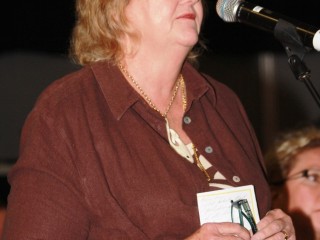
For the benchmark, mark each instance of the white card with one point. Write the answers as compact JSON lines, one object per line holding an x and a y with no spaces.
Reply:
{"x":215,"y":206}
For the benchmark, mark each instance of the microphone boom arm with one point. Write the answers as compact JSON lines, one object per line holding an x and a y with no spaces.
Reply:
{"x":267,"y":20}
{"x":287,"y":34}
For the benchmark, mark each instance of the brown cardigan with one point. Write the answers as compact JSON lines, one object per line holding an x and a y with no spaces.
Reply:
{"x":95,"y":162}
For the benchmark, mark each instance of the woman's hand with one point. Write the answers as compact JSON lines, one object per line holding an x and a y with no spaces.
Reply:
{"x":275,"y":225}
{"x":215,"y":231}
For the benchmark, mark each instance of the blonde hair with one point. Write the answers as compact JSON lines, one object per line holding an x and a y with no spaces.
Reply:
{"x":282,"y":155}
{"x":100,"y":27}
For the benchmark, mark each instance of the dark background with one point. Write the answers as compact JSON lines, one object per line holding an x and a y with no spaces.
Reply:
{"x":44,"y":27}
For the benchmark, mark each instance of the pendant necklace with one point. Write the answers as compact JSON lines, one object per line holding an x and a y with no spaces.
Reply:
{"x":179,"y":82}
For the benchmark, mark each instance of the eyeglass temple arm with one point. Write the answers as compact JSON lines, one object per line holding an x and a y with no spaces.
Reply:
{"x":304,"y":173}
{"x":237,"y":206}
{"x":251,"y":221}
{"x":248,"y":215}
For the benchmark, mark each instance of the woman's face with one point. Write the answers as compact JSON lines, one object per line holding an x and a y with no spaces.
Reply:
{"x":303,"y":193}
{"x":166,"y":23}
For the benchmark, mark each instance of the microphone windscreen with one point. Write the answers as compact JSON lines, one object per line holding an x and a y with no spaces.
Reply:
{"x":227,"y":9}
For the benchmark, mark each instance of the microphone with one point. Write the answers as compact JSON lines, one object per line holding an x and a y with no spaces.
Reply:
{"x":264,"y":19}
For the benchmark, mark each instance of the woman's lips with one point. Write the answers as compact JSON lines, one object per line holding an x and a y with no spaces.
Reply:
{"x":187,"y":16}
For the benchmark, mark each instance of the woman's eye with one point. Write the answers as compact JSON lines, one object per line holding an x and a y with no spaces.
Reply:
{"x":313,"y":178}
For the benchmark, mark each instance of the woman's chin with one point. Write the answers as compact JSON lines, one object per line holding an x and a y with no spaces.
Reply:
{"x":189,"y":42}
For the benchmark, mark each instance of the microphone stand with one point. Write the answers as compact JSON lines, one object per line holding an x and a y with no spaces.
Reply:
{"x":286,"y":33}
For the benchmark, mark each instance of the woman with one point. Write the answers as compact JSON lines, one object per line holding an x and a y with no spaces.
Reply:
{"x":119,"y":149}
{"x":294,"y":169}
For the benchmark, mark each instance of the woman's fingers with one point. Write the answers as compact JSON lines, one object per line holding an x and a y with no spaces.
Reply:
{"x":225,"y":231}
{"x":275,"y":225}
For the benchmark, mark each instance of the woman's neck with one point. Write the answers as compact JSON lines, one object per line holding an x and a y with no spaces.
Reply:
{"x":155,"y":74}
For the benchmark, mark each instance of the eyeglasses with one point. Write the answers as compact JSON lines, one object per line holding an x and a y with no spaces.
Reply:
{"x":244,"y":210}
{"x":311,"y":175}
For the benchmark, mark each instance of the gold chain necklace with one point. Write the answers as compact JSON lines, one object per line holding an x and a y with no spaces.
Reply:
{"x":180,"y":81}
{"x":199,"y":164}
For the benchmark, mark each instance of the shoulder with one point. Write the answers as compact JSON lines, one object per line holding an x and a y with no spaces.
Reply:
{"x":224,"y":99}
{"x":68,"y":91}
{"x":215,"y":89}
{"x":221,"y":90}
{"x":213,"y":83}
{"x":67,"y":86}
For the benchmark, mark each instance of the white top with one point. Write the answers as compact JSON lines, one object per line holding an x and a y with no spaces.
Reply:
{"x":187,"y":152}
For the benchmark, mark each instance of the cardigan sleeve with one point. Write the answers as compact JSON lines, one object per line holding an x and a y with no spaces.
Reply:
{"x":45,"y":200}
